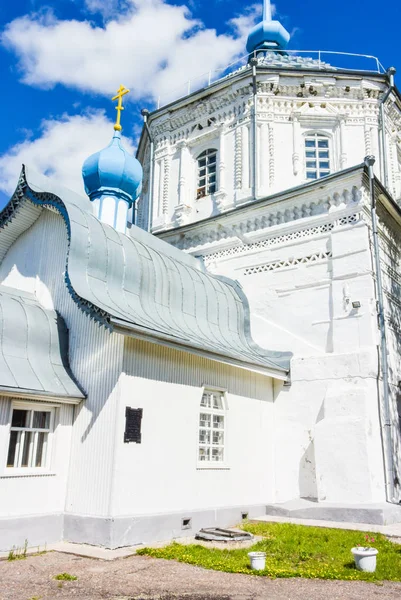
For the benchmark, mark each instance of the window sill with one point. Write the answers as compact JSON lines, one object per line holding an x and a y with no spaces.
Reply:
{"x":27,"y":473}
{"x":214,"y":467}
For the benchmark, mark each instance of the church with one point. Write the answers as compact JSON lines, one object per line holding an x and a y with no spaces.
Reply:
{"x":214,"y":332}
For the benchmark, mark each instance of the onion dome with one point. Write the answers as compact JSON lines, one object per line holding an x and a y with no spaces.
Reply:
{"x":267,"y":35}
{"x":113,"y":172}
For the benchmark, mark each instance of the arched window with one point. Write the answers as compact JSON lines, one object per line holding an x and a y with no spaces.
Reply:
{"x":212,"y":427}
{"x":207,"y":172}
{"x":317,"y":156}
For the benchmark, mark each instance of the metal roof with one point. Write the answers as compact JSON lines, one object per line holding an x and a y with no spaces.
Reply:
{"x":140,"y":285}
{"x":33,"y":350}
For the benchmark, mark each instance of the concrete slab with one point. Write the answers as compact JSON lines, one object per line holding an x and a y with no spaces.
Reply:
{"x":83,"y":550}
{"x":368,"y":514}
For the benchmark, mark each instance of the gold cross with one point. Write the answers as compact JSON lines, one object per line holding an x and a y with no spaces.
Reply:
{"x":121,"y":92}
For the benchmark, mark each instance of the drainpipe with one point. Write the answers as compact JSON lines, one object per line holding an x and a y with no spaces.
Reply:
{"x":383,"y":150}
{"x":145,"y":113}
{"x":253,"y":62}
{"x":384,"y":408}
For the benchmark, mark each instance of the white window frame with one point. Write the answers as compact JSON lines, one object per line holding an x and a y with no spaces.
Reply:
{"x":211,"y":464}
{"x":202,"y":191}
{"x":30,"y":470}
{"x":320,"y":171}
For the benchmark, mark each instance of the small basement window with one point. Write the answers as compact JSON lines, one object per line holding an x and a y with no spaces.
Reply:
{"x":30,"y":431}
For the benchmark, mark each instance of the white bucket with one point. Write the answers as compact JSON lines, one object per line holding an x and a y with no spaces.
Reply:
{"x":258,"y":560}
{"x":365,"y":559}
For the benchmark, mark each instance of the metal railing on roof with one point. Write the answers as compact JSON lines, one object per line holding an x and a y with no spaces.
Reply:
{"x":301,"y":59}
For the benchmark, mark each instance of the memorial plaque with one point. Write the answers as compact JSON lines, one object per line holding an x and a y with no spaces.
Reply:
{"x":133,"y":422}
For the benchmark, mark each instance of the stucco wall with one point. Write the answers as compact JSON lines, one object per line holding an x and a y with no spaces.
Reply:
{"x":303,"y":263}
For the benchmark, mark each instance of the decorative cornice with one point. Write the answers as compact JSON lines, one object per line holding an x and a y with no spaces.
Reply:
{"x":206,"y":237}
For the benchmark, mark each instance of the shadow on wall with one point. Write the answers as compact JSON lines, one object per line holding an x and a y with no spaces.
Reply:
{"x":151,"y":361}
{"x":307,"y":473}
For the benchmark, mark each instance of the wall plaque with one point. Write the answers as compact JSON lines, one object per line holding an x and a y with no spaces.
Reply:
{"x":133,"y":422}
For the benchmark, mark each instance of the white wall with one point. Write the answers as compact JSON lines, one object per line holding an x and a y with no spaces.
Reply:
{"x":302,"y":262}
{"x":161,"y":474}
{"x":36,"y":263}
{"x":327,"y":432}
{"x":43,"y":493}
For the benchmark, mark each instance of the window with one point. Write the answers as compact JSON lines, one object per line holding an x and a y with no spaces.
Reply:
{"x":212,"y":428}
{"x":317,"y":155}
{"x":207,"y":172}
{"x":29,"y":437}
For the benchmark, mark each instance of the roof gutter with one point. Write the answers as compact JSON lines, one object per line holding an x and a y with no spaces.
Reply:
{"x":39,"y":395}
{"x":382,"y":126}
{"x":384,"y":407}
{"x":140,"y":333}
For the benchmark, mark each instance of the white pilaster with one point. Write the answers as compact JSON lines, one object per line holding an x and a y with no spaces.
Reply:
{"x":296,"y":142}
{"x":181,"y":178}
{"x":343,"y":154}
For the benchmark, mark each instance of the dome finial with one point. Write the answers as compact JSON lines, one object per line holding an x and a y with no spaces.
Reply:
{"x":119,"y":108}
{"x":113,"y":177}
{"x":267,"y":35}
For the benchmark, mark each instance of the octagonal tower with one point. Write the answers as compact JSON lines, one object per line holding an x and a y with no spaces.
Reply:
{"x":286,"y":120}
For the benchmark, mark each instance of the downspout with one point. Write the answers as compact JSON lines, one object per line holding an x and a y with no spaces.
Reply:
{"x":384,"y":408}
{"x":383,"y":149}
{"x":145,"y":113}
{"x":253,"y":62}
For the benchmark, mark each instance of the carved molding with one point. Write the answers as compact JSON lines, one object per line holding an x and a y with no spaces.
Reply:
{"x":238,"y":158}
{"x":278,"y":240}
{"x":166,"y":184}
{"x":182,"y":213}
{"x":271,"y":155}
{"x":287,"y":212}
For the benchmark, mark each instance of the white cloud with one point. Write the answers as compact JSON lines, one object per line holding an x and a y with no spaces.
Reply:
{"x":60,"y":151}
{"x":108,"y":8}
{"x":153,"y":49}
{"x":148,"y":45}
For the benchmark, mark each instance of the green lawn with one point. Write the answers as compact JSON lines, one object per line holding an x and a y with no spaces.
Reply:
{"x":293,"y":551}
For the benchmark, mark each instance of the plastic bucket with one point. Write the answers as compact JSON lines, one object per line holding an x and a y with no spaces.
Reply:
{"x":365,"y":559}
{"x":258,"y":560}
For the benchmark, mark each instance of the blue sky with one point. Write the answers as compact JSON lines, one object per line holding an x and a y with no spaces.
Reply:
{"x":61,"y":61}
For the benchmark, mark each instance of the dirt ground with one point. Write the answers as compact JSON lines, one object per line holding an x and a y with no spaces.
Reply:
{"x":143,"y":578}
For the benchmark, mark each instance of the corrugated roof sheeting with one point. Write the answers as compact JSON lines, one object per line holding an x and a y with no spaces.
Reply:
{"x":33,"y":348}
{"x":145,"y":282}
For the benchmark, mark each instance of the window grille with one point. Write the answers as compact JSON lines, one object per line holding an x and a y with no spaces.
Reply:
{"x":28,"y":446}
{"x":212,"y":428}
{"x":207,"y":173}
{"x":317,"y":155}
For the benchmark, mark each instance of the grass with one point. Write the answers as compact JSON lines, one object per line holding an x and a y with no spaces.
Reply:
{"x":18,"y":553}
{"x":65,"y":577}
{"x":293,"y":551}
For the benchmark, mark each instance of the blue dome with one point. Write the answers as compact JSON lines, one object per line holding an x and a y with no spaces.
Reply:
{"x":113,"y":171}
{"x":268,"y":35}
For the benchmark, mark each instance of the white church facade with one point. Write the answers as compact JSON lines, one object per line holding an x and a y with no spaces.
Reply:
{"x":234,"y":352}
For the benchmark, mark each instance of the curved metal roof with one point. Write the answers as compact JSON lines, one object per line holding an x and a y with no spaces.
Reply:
{"x":137,"y":283}
{"x":33,"y":349}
